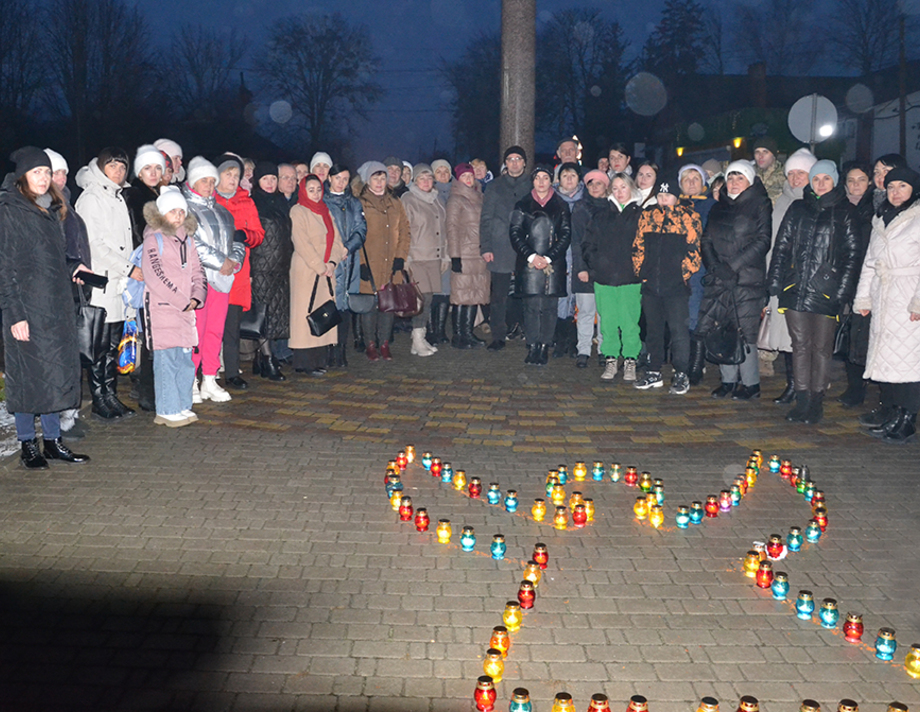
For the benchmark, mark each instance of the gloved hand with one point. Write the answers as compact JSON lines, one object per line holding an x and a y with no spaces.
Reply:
{"x":239,"y":236}
{"x":399,"y":264}
{"x":774,"y":291}
{"x":456,"y":265}
{"x":365,"y":272}
{"x":723,"y":272}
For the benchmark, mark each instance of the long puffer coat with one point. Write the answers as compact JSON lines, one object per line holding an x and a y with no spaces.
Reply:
{"x":387,"y":237}
{"x":137,"y":196}
{"x":270,"y":263}
{"x":348,"y":214}
{"x":583,"y":212}
{"x":889,"y":287}
{"x":43,"y":373}
{"x":464,"y":209}
{"x":608,"y":245}
{"x":544,"y":230}
{"x":427,"y":238}
{"x":104,"y":210}
{"x":737,"y":235}
{"x":816,"y":232}
{"x":497,"y":205}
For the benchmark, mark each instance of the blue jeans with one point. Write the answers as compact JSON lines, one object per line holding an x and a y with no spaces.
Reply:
{"x":173,"y":376}
{"x":25,"y":426}
{"x":696,"y":296}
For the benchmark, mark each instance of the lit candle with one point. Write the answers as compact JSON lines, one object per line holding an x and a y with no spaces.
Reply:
{"x":658,"y":490}
{"x":426,"y":460}
{"x":485,"y":694}
{"x":741,"y":481}
{"x":576,"y":498}
{"x":800,"y":485}
{"x":393,"y":465}
{"x":512,"y":616}
{"x":563,"y":474}
{"x":538,"y":510}
{"x":475,"y":487}
{"x":645,"y":482}
{"x":597,"y":472}
{"x":498,"y":547}
{"x":459,"y":480}
{"x":708,"y":704}
{"x":912,"y":661}
{"x":751,"y":564}
{"x":467,"y":539}
{"x":500,"y":640}
{"x":810,"y":488}
{"x":533,"y":573}
{"x":558,"y":495}
{"x":631,"y":478}
{"x":615,"y":473}
{"x":735,"y":495}
{"x":443,"y":530}
{"x":818,"y":498}
{"x":580,"y":471}
{"x":748,"y":703}
{"x":712,"y":506}
{"x":780,"y":585}
{"x":785,"y":469}
{"x":750,"y":474}
{"x":641,"y":508}
{"x":853,"y":628}
{"x":494,"y":495}
{"x":493,"y":664}
{"x":541,"y":555}
{"x":725,"y":501}
{"x":401,"y":460}
{"x":511,"y":501}
{"x":520,"y":701}
{"x":812,"y":531}
{"x":759,"y":455}
{"x":794,"y":539}
{"x":563,"y":703}
{"x":447,"y":473}
{"x":821,"y":517}
{"x":396,"y":500}
{"x":775,"y":546}
{"x":394,"y":484}
{"x":846,"y":705}
{"x":656,"y":516}
{"x":696,"y":512}
{"x":774,"y":464}
{"x":561,"y":518}
{"x":637,"y":703}
{"x":422,"y":520}
{"x":829,"y":615}
{"x":405,"y":509}
{"x":764,"y":576}
{"x":810,"y":706}
{"x":599,"y":703}
{"x":410,"y":453}
{"x":682,"y":518}
{"x":526,"y":594}
{"x":897,"y":707}
{"x":885,"y":644}
{"x":436,"y":467}
{"x":589,"y":508}
{"x":805,"y":605}
{"x":579,"y":516}
{"x":551,"y":482}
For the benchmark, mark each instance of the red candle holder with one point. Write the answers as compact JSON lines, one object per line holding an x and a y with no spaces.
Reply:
{"x":749,"y":703}
{"x":541,"y":555}
{"x":421,"y":519}
{"x":475,"y":487}
{"x":785,"y":469}
{"x":775,"y":546}
{"x":853,"y":628}
{"x":764,"y":577}
{"x":631,"y":478}
{"x":599,"y":703}
{"x":485,"y":694}
{"x":741,"y":481}
{"x":500,"y":640}
{"x":526,"y":595}
{"x":712,"y":506}
{"x":818,"y":499}
{"x":821,"y":517}
{"x":637,"y":703}
{"x":580,"y":515}
{"x":391,"y":472}
{"x":405,"y":509}
{"x":436,"y":467}
{"x":401,"y":460}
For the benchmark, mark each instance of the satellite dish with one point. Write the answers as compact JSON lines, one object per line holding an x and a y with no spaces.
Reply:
{"x":813,"y":119}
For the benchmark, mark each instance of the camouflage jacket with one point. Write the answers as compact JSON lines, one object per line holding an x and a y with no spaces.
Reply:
{"x":773,"y":179}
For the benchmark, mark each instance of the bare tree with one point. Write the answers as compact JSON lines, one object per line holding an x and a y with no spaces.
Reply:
{"x":713,"y":41}
{"x":201,"y":70}
{"x":779,"y":33}
{"x":102,"y":71}
{"x":325,"y":68}
{"x":20,"y":75}
{"x":865,"y":33}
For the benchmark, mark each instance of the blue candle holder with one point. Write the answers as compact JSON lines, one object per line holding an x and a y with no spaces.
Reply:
{"x":736,"y":495}
{"x":829,"y":615}
{"x":393,"y":487}
{"x":563,"y":475}
{"x":780,"y":586}
{"x":774,"y":464}
{"x":659,"y":493}
{"x":696,"y":512}
{"x":468,"y":539}
{"x":511,"y":501}
{"x":494,"y":495}
{"x":615,"y":473}
{"x":885,"y":644}
{"x":447,"y":473}
{"x":682,"y":518}
{"x":426,"y":460}
{"x":810,"y":488}
{"x":804,"y":605}
{"x":597,"y":472}
{"x":498,"y":547}
{"x":794,"y":539}
{"x":812,"y":531}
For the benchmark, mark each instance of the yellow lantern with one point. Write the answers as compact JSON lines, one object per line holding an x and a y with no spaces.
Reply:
{"x":558,"y":495}
{"x":512,"y":616}
{"x":533,"y":573}
{"x":538,"y":510}
{"x":912,"y":661}
{"x":580,"y":471}
{"x":410,"y":453}
{"x":493,"y":665}
{"x":576,"y":498}
{"x":561,"y":518}
{"x":443,"y":531}
{"x":589,"y":508}
{"x":656,"y":516}
{"x":395,"y":500}
{"x":751,"y":563}
{"x":459,"y":480}
{"x":563,"y":703}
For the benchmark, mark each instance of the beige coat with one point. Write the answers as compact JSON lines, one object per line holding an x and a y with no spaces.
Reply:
{"x":309,"y":237}
{"x":464,"y":209}
{"x":387,"y":236}
{"x":427,"y":238}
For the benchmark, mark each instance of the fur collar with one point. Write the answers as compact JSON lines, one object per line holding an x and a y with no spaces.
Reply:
{"x":158,"y":222}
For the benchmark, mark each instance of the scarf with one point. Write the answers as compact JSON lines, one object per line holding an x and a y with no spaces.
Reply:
{"x":542,"y":203}
{"x":320,"y":209}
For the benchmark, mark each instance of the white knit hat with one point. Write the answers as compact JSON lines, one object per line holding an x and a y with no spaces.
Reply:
{"x":58,"y":162}
{"x":801,"y":160}
{"x":148,"y":155}
{"x":320,"y":157}
{"x":743,"y":167}
{"x":440,"y":163}
{"x":170,"y":199}
{"x":168,"y":146}
{"x":200,"y":167}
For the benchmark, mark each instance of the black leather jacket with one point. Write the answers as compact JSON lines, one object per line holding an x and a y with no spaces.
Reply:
{"x":540,"y":230}
{"x":819,"y":237}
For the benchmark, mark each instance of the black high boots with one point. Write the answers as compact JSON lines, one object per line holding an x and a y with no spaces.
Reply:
{"x":697,"y":360}
{"x":855,"y":394}
{"x":788,"y":395}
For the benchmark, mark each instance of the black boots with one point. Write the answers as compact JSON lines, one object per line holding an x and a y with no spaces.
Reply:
{"x":33,"y":459}
{"x":31,"y":456}
{"x":463,"y":317}
{"x":802,"y":403}
{"x":57,"y":450}
{"x":697,"y":360}
{"x":436,"y":332}
{"x":855,"y":393}
{"x":268,"y":366}
{"x":103,"y":378}
{"x":900,"y":428}
{"x":565,"y":338}
{"x":537,"y":355}
{"x":815,"y":412}
{"x":788,"y":395}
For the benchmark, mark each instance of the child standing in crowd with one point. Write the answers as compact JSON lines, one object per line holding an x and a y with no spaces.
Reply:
{"x":666,"y":252}
{"x":175,"y":287}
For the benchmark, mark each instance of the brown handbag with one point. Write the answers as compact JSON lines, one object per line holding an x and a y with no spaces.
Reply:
{"x":400,"y":299}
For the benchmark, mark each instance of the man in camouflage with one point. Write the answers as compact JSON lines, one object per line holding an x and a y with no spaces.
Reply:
{"x":768,"y":167}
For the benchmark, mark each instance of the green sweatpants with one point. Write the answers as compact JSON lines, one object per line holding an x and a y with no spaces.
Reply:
{"x":619,"y":309}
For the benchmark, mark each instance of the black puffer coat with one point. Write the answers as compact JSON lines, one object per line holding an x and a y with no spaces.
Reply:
{"x":544,"y":230}
{"x":815,"y":232}
{"x":582,"y":213}
{"x":270,"y":263}
{"x":607,"y":249}
{"x":136,"y":197}
{"x":43,"y":373}
{"x":737,"y":238}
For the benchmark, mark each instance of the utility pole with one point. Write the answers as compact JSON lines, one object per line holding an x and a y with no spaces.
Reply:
{"x":518,"y":76}
{"x":902,"y":85}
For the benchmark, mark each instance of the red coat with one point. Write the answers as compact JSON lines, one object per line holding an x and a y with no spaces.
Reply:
{"x":245,"y":218}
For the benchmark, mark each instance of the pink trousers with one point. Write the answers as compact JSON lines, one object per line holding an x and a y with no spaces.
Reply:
{"x":209,"y":320}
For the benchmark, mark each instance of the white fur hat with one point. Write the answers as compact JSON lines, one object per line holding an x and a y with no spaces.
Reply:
{"x":58,"y":162}
{"x":168,"y":146}
{"x":148,"y":155}
{"x":200,"y":167}
{"x":320,"y":157}
{"x":801,"y":160}
{"x":170,"y":199}
{"x":743,"y":167}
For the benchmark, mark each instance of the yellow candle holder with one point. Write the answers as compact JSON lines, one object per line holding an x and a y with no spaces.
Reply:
{"x":641,"y":508}
{"x":493,"y":665}
{"x":589,"y":508}
{"x":558,"y":495}
{"x":512,"y":617}
{"x":751,"y":564}
{"x":443,"y":531}
{"x":533,"y":573}
{"x":395,"y":500}
{"x":538,"y":510}
{"x":561,"y":518}
{"x":410,"y":453}
{"x":580,"y":471}
{"x":459,"y":480}
{"x":576,"y":498}
{"x":912,"y":662}
{"x":656,"y":516}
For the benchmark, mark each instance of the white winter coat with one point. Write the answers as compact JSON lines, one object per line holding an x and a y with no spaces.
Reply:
{"x":108,"y":225}
{"x":889,"y":286}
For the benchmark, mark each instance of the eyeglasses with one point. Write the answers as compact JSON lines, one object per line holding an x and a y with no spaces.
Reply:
{"x":514,"y":159}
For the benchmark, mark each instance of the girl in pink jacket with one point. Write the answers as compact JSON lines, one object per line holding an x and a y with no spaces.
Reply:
{"x":175,"y":286}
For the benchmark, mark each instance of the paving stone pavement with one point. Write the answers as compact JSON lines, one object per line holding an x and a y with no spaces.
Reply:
{"x":251,"y":561}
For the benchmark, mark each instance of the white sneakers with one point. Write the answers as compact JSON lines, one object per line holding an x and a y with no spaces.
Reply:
{"x":176,"y":420}
{"x":629,"y":369}
{"x":420,"y":347}
{"x":610,"y":369}
{"x":211,"y":391}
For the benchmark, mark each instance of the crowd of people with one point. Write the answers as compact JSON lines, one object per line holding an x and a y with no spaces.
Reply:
{"x":732,"y":262}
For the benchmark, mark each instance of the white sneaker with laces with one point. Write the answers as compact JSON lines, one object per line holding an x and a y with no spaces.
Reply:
{"x":629,"y":369}
{"x":651,"y":379}
{"x":610,"y":369}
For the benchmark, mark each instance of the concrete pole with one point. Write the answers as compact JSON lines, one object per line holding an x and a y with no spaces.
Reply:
{"x":519,"y":56}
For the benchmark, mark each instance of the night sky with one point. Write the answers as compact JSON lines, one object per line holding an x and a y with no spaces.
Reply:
{"x":410,"y":37}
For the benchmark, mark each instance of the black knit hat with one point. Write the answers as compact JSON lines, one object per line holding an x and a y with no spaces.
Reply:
{"x":541,"y":168}
{"x":766,"y":142}
{"x":903,"y":173}
{"x":262,"y":169}
{"x":27,"y":158}
{"x":227,"y":160}
{"x":514,"y":149}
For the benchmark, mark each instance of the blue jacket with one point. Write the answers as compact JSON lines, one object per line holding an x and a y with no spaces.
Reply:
{"x":348,"y":214}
